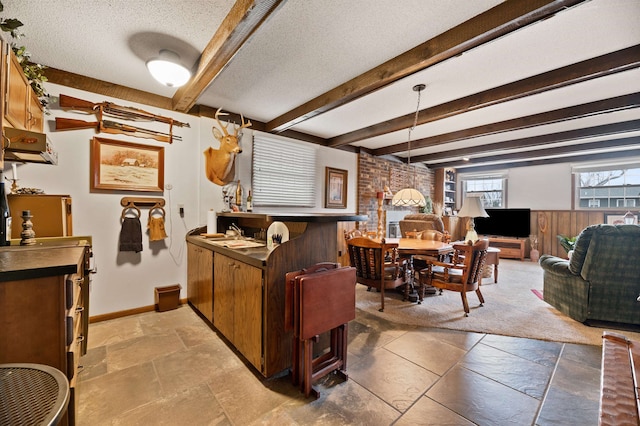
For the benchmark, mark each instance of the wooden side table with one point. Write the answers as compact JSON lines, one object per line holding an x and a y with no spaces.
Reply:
{"x":493,"y":258}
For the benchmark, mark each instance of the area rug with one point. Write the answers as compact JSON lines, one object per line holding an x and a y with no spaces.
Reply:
{"x":510,"y":309}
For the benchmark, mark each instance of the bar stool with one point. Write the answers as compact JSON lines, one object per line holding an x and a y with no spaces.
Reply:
{"x":32,"y":394}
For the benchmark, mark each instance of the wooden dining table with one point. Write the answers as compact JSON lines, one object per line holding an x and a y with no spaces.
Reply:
{"x":413,"y":246}
{"x":409,"y":247}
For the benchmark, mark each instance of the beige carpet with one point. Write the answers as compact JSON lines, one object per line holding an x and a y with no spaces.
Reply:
{"x":510,"y":309}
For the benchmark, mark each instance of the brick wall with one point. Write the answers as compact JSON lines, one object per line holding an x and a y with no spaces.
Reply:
{"x":376,"y":172}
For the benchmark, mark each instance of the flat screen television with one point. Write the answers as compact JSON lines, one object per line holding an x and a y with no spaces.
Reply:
{"x":505,"y":223}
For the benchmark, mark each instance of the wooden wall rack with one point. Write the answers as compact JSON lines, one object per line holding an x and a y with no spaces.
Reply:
{"x":142,"y":201}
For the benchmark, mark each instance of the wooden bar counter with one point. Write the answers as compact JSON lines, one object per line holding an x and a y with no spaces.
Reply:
{"x":241,"y":291}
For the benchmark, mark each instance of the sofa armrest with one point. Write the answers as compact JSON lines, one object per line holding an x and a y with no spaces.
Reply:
{"x":555,"y":264}
{"x":564,"y":290}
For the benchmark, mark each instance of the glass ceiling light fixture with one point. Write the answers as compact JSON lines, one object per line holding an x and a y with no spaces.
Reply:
{"x":168,"y":70}
{"x":408,"y":196}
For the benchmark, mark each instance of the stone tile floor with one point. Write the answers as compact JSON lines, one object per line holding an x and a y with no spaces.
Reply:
{"x":171,"y":368}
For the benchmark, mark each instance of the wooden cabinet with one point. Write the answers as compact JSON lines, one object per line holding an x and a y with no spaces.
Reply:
{"x":513,"y":248}
{"x":455,"y":226}
{"x":22,"y":107}
{"x":51,"y":214}
{"x":44,"y":310}
{"x":237,"y":305}
{"x":445,"y":190}
{"x":200,"y":279}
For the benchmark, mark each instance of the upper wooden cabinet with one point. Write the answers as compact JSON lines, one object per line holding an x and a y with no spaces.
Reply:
{"x":22,"y":107}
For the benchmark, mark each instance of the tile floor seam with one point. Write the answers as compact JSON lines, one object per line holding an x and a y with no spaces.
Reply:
{"x":379,"y":397}
{"x":548,"y":388}
{"x":222,"y":407}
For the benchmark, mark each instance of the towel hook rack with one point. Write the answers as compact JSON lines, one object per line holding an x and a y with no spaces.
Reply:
{"x":142,"y":201}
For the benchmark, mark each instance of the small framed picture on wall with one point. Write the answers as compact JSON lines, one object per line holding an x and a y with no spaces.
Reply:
{"x":621,"y":219}
{"x":335,"y":188}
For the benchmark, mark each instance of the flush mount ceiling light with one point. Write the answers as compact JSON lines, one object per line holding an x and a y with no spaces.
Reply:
{"x":409,"y":196}
{"x":168,"y":70}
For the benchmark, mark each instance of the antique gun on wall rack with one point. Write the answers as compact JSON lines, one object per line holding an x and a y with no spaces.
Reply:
{"x":113,"y":127}
{"x":114,"y":110}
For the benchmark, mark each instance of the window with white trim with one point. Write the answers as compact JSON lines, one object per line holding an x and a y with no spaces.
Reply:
{"x":607,"y":186}
{"x":491,"y":188}
{"x":283,"y":172}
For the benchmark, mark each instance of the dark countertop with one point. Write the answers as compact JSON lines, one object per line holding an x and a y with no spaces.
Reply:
{"x":299,"y":217}
{"x":253,"y":256}
{"x":27,"y":262}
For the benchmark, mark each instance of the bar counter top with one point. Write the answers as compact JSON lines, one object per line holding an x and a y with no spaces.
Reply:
{"x":27,"y":262}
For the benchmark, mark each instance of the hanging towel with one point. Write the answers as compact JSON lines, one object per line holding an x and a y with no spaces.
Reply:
{"x":156,"y":228}
{"x":131,"y":234}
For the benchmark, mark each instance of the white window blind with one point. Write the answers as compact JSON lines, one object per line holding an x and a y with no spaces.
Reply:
{"x":284,"y":172}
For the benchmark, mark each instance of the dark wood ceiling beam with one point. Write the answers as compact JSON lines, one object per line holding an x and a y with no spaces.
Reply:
{"x":616,"y":155}
{"x":589,"y":69}
{"x":244,"y":18}
{"x":604,"y":106}
{"x":101,"y":87}
{"x":559,"y":151}
{"x":495,"y":22}
{"x":533,"y":141}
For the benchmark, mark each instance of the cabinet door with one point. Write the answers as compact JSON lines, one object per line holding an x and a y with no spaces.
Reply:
{"x":223,"y":298}
{"x":247,"y":333}
{"x":17,"y":93}
{"x":205,"y":283}
{"x":192,"y":274}
{"x":200,"y":279}
{"x":35,"y":115}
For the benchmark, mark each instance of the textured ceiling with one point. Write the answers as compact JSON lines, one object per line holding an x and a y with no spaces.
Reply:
{"x":304,"y":49}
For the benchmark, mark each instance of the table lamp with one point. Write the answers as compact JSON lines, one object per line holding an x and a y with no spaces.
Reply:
{"x":472,"y":207}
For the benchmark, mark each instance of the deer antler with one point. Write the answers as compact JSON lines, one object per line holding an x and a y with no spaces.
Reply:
{"x":223,"y":128}
{"x":242,"y":126}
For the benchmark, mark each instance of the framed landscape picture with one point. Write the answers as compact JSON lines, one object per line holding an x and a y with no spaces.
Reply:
{"x":619,"y":219}
{"x":335,"y":188}
{"x":125,"y":166}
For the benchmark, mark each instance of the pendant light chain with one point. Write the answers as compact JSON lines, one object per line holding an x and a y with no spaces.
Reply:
{"x":417,"y":88}
{"x":410,"y":196}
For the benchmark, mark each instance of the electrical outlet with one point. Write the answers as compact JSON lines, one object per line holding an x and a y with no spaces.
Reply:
{"x":181,"y":209}
{"x":168,"y":186}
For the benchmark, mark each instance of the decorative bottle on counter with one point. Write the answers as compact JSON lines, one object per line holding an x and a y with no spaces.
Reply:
{"x":249,"y":202}
{"x":5,"y":214}
{"x":239,"y":194}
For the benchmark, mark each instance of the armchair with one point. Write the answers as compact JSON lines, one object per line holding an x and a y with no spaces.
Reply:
{"x":420,"y":222}
{"x":462,"y":274}
{"x":601,"y":282}
{"x":368,"y":257}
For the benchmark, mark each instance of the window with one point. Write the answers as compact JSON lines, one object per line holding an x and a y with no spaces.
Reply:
{"x":492,"y":188}
{"x":615,"y":186}
{"x":284,"y":172}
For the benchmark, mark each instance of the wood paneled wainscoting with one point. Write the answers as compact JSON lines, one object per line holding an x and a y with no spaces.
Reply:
{"x":548,"y":224}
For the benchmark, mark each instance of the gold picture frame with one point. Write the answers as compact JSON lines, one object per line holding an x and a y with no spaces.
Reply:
{"x":125,"y":166}
{"x":335,"y":188}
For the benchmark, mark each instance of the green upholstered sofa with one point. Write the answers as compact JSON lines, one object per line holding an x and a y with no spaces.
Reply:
{"x":601,"y":282}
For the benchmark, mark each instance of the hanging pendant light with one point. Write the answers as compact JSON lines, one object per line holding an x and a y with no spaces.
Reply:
{"x":410,"y":197}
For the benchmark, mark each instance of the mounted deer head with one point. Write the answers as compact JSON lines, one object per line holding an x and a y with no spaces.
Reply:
{"x":220,"y":163}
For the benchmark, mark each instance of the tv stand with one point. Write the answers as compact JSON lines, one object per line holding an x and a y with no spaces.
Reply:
{"x":510,"y":247}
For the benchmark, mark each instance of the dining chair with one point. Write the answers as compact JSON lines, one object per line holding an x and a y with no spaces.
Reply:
{"x":462,"y":274}
{"x":372,"y":269}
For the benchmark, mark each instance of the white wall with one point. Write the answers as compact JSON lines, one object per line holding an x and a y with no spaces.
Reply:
{"x":127,"y":280}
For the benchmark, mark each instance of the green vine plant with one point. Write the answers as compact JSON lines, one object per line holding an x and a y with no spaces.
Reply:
{"x":32,"y":71}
